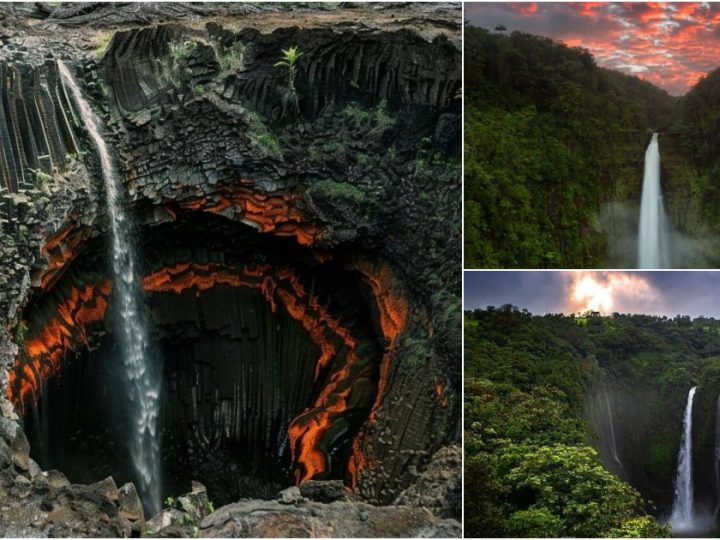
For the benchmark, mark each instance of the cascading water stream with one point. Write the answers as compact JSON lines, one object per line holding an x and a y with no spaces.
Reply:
{"x":652,"y":233}
{"x":683,"y":511}
{"x":142,"y":375}
{"x":613,"y":441}
{"x":716,"y":513}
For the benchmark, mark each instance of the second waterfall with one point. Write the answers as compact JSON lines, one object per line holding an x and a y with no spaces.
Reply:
{"x":142,"y":374}
{"x":652,"y":233}
{"x":683,"y":511}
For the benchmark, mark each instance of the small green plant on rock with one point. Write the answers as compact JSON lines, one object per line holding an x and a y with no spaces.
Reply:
{"x":262,"y":135}
{"x":181,"y":51}
{"x":178,"y":54}
{"x":375,"y":120}
{"x":288,"y":62}
{"x":340,"y":190}
{"x":170,"y":501}
{"x":104,"y":88}
{"x":20,"y":333}
{"x":103,"y":41}
{"x":232,"y":59}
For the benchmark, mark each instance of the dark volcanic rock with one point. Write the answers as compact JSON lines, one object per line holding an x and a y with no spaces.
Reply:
{"x":20,"y":449}
{"x":312,"y":520}
{"x":325,"y":491}
{"x":439,"y":486}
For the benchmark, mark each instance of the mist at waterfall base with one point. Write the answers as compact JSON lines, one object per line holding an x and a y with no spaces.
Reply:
{"x":687,"y":516}
{"x":142,"y":375}
{"x":643,"y":237}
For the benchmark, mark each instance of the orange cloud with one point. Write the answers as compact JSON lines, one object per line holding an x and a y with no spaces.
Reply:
{"x":670,"y":44}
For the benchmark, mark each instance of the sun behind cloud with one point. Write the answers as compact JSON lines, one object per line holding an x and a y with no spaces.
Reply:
{"x":608,"y":292}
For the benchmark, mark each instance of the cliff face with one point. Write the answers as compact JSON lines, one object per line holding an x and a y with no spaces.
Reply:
{"x":344,"y":174}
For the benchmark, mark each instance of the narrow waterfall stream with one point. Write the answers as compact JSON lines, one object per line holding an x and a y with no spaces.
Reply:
{"x":613,"y":441}
{"x":652,"y":233}
{"x":717,"y":458}
{"x":683,"y":511}
{"x":143,"y":376}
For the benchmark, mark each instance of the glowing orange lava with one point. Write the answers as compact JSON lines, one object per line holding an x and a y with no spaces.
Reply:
{"x":276,"y":213}
{"x":393,"y":312}
{"x":59,"y":250}
{"x":306,"y":431}
{"x":45,"y":347}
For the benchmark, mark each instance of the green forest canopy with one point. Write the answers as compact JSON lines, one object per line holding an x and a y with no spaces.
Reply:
{"x":529,"y":468}
{"x":551,"y":139}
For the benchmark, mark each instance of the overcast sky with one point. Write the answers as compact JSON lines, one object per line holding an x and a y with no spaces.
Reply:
{"x":670,"y":44}
{"x":540,"y":292}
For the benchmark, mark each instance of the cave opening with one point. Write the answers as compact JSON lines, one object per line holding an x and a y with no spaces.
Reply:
{"x":270,"y":356}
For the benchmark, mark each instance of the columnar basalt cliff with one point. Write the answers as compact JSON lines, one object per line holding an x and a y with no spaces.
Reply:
{"x":298,"y":226}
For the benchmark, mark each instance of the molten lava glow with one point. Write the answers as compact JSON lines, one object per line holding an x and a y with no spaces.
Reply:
{"x":206,"y":276}
{"x":59,"y":250}
{"x":305,"y":432}
{"x":270,"y":213}
{"x":47,"y":346}
{"x":606,"y":292}
{"x":393,"y":312}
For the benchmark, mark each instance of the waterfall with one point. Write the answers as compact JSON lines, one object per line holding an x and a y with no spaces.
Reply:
{"x":652,"y":234}
{"x":716,"y":513}
{"x":683,"y":513}
{"x":613,"y":442}
{"x":142,"y":375}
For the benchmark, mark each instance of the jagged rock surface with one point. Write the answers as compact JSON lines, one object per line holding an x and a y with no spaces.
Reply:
{"x":44,"y":504}
{"x":256,"y":518}
{"x":439,"y":487}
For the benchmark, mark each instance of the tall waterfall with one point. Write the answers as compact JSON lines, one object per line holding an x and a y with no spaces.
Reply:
{"x":613,"y":442}
{"x":143,"y":376}
{"x":683,"y":512}
{"x":652,"y":234}
{"x":716,"y":513}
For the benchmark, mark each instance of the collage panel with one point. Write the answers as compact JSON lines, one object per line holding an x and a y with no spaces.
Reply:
{"x":591,"y":135}
{"x":592,"y":403}
{"x":231,"y":269}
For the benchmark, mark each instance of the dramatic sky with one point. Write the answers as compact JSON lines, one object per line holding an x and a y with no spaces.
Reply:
{"x":654,"y":293}
{"x":669,"y":44}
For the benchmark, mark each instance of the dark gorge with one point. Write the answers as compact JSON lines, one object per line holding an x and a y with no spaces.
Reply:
{"x":297,"y":245}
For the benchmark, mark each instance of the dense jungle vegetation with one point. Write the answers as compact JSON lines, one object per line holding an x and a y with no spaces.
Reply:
{"x":554,"y":150}
{"x":531,"y":465}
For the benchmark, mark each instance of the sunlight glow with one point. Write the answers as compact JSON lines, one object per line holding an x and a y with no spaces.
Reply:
{"x":606,"y":292}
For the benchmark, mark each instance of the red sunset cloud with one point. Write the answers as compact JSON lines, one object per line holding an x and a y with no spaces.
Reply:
{"x":669,"y":44}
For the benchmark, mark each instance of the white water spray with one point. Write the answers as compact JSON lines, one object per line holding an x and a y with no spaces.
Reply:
{"x":613,"y":442}
{"x":716,"y":513}
{"x":652,"y":234}
{"x":683,"y":511}
{"x":142,"y":374}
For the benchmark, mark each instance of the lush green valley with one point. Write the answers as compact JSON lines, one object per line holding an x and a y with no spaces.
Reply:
{"x":538,"y":392}
{"x":554,"y":149}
